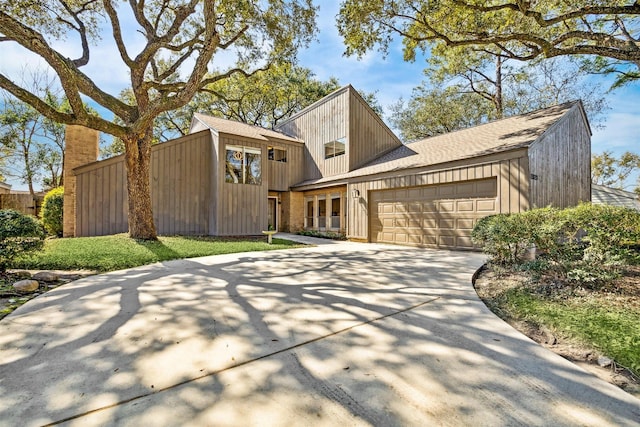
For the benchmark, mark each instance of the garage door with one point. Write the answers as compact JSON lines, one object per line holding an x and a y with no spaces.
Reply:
{"x":434,"y":215}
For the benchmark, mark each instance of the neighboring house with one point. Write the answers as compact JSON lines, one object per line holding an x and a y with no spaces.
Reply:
{"x":4,"y":188}
{"x":612,"y":196}
{"x":335,"y":166}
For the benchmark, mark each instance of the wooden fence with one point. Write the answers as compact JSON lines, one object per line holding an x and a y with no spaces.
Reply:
{"x":24,"y":203}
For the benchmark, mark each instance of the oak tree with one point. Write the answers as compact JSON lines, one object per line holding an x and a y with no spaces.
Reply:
{"x":169,"y":48}
{"x":519,"y":29}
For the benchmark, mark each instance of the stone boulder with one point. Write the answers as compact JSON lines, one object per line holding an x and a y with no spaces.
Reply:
{"x":46,"y":276}
{"x":26,"y":285}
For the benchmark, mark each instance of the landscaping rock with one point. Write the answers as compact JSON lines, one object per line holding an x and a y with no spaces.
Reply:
{"x":604,"y":362}
{"x":26,"y":285}
{"x":21,"y":274}
{"x":46,"y":276}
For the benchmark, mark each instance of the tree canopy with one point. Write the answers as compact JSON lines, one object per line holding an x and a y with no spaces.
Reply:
{"x":614,"y":171}
{"x":518,"y":29}
{"x":168,"y":47}
{"x":471,"y":90}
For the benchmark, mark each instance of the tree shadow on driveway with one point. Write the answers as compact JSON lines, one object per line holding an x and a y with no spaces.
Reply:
{"x":355,"y":334}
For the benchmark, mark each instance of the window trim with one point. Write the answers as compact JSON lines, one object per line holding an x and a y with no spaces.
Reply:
{"x":245,"y":169}
{"x":331,"y":145}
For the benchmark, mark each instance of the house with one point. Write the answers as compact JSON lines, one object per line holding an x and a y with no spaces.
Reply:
{"x":5,"y":188}
{"x":335,"y":166}
{"x":603,"y":195}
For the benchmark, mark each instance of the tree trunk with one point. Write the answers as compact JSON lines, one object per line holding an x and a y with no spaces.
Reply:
{"x":498,"y":95}
{"x":138,"y":162}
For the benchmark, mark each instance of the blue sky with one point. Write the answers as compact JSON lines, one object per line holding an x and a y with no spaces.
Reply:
{"x":390,"y":77}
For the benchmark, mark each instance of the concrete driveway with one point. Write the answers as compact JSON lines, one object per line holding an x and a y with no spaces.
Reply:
{"x":340,"y":334}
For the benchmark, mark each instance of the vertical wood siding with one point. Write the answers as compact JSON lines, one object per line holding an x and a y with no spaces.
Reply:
{"x":180,"y":187}
{"x":368,"y":135}
{"x":282,"y":175}
{"x":562,"y":162}
{"x":241,"y":208}
{"x":324,"y":122}
{"x":512,"y":187}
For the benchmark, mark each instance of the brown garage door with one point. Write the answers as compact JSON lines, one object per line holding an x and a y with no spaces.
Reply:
{"x":434,"y":215}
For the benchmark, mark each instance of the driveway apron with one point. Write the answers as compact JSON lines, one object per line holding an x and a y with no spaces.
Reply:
{"x":343,"y":334}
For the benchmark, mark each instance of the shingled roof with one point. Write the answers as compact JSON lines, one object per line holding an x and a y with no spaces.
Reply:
{"x":494,"y":137}
{"x":241,"y":129}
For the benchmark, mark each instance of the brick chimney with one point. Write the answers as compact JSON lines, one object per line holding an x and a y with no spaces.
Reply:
{"x":81,"y":147}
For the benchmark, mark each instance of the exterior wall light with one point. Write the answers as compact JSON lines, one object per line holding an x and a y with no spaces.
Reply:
{"x":355,"y":193}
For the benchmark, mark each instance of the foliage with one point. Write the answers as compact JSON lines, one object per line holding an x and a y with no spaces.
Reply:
{"x":51,"y":213}
{"x":33,"y":143}
{"x":19,"y":234}
{"x":262,"y":99}
{"x":323,"y":234}
{"x":167,"y":52}
{"x":107,"y":253}
{"x":434,"y":111}
{"x":612,"y":171}
{"x":585,"y":244}
{"x":480,"y":87}
{"x":518,"y":30}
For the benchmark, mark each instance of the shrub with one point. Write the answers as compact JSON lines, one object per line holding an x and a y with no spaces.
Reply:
{"x":504,"y":237}
{"x":52,"y":211}
{"x":585,"y":244}
{"x":19,"y":234}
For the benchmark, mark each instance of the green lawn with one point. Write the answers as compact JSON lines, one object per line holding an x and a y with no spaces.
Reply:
{"x":108,"y":253}
{"x":612,"y":328}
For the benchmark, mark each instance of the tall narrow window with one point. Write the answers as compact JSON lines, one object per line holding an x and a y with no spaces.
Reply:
{"x":335,"y":211}
{"x":335,"y":148}
{"x":308,"y":220}
{"x":243,"y":165}
{"x":322,"y":212}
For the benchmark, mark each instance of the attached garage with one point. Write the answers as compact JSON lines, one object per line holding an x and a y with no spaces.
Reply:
{"x":432,"y":215}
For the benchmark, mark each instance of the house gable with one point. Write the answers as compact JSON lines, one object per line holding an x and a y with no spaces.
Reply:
{"x":341,"y":133}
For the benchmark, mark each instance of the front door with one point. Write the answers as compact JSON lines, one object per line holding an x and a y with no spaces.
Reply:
{"x":272,"y":216}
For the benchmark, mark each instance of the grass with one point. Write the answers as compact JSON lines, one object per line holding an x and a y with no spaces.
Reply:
{"x":602,"y":319}
{"x":610,"y":328}
{"x":108,"y":253}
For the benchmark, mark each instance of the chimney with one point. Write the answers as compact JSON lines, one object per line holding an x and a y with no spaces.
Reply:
{"x":81,"y":147}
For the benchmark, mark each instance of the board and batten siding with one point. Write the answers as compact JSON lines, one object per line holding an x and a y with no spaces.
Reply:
{"x":318,"y":124}
{"x":241,"y":209}
{"x":180,"y":187}
{"x":511,"y":170}
{"x":369,"y":137}
{"x":561,"y":160}
{"x":282,"y":175}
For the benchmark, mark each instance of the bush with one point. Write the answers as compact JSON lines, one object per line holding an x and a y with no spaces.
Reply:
{"x":51,"y":213}
{"x":585,"y":244}
{"x":19,"y":234}
{"x":504,"y":237}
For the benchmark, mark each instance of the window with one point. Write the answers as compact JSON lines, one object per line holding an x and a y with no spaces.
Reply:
{"x":335,"y":148}
{"x":322,"y":211}
{"x":335,"y":211}
{"x":310,"y":214}
{"x":243,"y":165}
{"x":277,"y":154}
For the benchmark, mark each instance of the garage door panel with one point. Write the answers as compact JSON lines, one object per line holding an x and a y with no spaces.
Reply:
{"x":465,"y":206}
{"x":430,"y":223}
{"x":465,"y":223}
{"x":447,"y":206}
{"x":430,"y":207}
{"x":436,"y":215}
{"x":486,"y":206}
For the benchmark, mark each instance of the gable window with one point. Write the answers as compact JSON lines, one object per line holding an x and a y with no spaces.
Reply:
{"x":243,"y":165}
{"x":335,"y":148}
{"x":277,"y":154}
